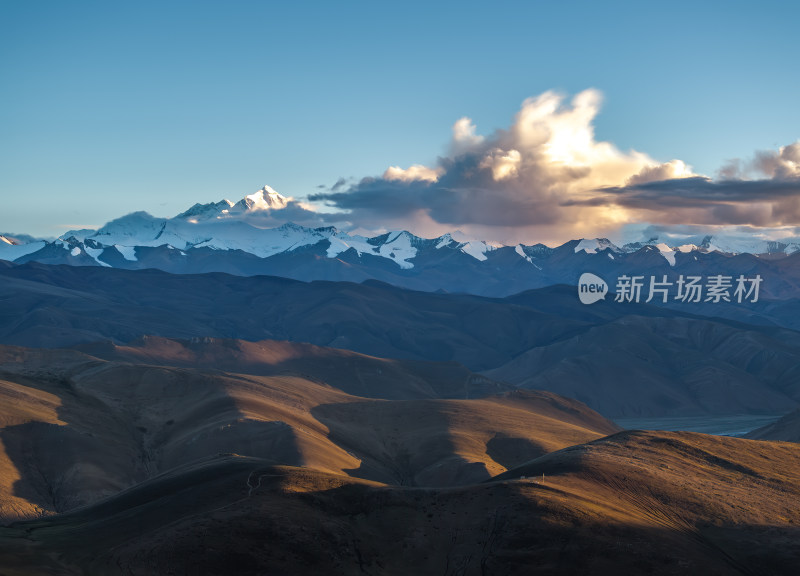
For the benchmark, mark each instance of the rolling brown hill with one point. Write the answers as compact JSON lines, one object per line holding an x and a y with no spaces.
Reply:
{"x":631,"y":503}
{"x":160,"y":457}
{"x":351,"y":372}
{"x":77,"y":428}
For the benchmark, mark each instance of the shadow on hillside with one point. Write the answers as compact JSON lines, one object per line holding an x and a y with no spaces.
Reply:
{"x":358,"y":529}
{"x":406,"y":443}
{"x":353,"y":373}
{"x":510,"y":451}
{"x":127,"y":425}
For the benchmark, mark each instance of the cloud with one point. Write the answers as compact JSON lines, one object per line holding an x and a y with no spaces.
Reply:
{"x":297,"y":212}
{"x":464,"y":137}
{"x":339,"y":184}
{"x":548,"y":178}
{"x":415,"y":173}
{"x":782,"y":165}
{"x":538,"y":178}
{"x":766,"y":202}
{"x":503,"y":164}
{"x":667,"y":171}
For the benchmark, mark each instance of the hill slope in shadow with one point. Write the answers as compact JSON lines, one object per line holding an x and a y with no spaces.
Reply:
{"x":621,"y":359}
{"x":787,"y":429}
{"x":632,"y":503}
{"x":158,"y":457}
{"x":76,"y":428}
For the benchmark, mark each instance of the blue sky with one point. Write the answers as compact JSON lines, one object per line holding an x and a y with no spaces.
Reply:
{"x":110,"y":107}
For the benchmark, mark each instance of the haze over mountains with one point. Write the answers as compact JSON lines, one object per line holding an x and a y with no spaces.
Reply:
{"x":240,"y":238}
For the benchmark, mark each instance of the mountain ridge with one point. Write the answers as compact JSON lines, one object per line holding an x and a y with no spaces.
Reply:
{"x":241,"y":238}
{"x":542,"y":339}
{"x":171,"y":232}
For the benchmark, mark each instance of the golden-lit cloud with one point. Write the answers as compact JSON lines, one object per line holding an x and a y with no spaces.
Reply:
{"x":417,"y":172}
{"x":666,"y":171}
{"x":503,"y":164}
{"x":548,"y":178}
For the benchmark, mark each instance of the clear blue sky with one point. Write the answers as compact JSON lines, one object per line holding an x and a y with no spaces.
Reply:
{"x":110,"y":107}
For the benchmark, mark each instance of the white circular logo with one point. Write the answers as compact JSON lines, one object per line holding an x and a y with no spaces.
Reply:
{"x":591,"y":288}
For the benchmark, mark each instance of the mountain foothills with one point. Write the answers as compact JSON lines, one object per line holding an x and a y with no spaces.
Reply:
{"x":155,"y":458}
{"x":207,"y":394}
{"x":237,"y":238}
{"x":78,"y":428}
{"x":622,"y":359}
{"x":787,"y":429}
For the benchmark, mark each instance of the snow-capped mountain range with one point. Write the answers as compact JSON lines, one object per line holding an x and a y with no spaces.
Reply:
{"x":230,"y":226}
{"x":226,"y":236}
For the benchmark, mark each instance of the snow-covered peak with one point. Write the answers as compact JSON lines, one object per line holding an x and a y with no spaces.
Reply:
{"x":667,"y":252}
{"x":292,"y":227}
{"x":726,"y":239}
{"x":444,"y":240}
{"x":81,"y":234}
{"x":523,"y":251}
{"x":137,"y":228}
{"x":13,"y":247}
{"x":594,"y":245}
{"x":243,"y":226}
{"x":206,"y":211}
{"x":748,"y":244}
{"x":460,"y":237}
{"x":478,"y":250}
{"x":400,"y":247}
{"x":265,"y":199}
{"x":638,"y":245}
{"x":470,"y":246}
